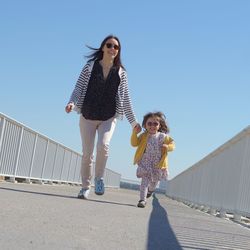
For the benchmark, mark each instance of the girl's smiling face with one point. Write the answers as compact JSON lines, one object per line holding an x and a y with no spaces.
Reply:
{"x":152,"y":125}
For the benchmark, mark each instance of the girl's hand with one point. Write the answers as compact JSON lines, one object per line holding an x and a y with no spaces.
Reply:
{"x":69,"y":107}
{"x":164,"y":148}
{"x":137,"y":128}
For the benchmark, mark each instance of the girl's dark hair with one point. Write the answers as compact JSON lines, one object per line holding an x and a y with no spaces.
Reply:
{"x":160,"y":117}
{"x":98,"y":53}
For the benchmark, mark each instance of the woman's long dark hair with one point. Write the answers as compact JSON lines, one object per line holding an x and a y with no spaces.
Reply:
{"x":98,"y":53}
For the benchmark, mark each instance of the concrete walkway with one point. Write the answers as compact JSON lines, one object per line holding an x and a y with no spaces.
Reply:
{"x":38,"y":217}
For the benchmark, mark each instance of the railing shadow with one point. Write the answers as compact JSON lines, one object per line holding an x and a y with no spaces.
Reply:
{"x":160,"y":233}
{"x":65,"y":196}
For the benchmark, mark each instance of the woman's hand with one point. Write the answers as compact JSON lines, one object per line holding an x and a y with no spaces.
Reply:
{"x":69,"y":107}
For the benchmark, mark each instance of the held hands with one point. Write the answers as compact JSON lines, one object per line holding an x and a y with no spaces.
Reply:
{"x":137,"y":128}
{"x":69,"y":107}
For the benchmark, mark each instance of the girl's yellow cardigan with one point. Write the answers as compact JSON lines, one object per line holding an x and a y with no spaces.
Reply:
{"x":141,"y":142}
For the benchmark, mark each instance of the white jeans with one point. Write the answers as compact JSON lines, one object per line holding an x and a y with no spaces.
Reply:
{"x":88,"y":129}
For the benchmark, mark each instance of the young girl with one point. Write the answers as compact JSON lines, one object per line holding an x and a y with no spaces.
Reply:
{"x":153,"y":146}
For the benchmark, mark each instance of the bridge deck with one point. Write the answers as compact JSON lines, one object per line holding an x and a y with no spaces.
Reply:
{"x":50,"y":217}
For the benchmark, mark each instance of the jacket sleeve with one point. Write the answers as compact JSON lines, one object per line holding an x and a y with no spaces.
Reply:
{"x":128,"y":108}
{"x":80,"y":85}
{"x":135,"y":140}
{"x":170,"y":142}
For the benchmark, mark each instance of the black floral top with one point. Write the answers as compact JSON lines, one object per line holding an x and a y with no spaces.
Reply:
{"x":123,"y":100}
{"x":100,"y":99}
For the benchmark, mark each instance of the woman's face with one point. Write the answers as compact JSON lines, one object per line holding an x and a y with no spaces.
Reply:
{"x":111,"y":48}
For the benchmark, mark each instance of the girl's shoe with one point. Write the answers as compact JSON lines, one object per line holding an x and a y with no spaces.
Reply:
{"x":84,"y":193}
{"x":141,"y":203}
{"x":149,"y":194}
{"x":99,"y":186}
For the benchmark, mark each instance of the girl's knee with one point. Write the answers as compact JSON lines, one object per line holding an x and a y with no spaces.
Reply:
{"x":140,"y":172}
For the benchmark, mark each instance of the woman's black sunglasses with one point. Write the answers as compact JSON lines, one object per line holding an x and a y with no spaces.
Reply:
{"x":111,"y":45}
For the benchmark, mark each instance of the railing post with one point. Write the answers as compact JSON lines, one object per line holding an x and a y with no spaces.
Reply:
{"x":75,"y":167}
{"x":71,"y":155}
{"x":1,"y":137}
{"x":44,"y":162}
{"x":12,"y":179}
{"x":212,"y":211}
{"x":237,"y":217}
{"x":32,"y":160}
{"x":222,"y":213}
{"x":62,"y":165}
{"x":54,"y":163}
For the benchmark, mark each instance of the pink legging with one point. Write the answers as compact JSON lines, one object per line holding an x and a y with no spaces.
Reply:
{"x":88,"y":129}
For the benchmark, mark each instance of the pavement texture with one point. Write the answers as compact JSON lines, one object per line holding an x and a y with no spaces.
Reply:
{"x":34,"y":216}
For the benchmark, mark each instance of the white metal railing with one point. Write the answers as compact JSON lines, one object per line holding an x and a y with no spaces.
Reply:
{"x":220,"y":182}
{"x":25,"y":153}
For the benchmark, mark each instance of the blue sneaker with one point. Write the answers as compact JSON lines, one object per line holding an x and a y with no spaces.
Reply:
{"x":84,"y":193}
{"x":99,"y":186}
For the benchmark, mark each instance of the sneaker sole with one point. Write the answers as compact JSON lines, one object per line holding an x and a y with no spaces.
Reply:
{"x":140,"y":205}
{"x":98,"y":193}
{"x":82,"y":197}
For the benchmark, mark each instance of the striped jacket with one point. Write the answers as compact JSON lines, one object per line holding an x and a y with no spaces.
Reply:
{"x":123,"y":101}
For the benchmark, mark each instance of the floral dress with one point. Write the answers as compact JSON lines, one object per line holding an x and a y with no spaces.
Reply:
{"x":151,"y":157}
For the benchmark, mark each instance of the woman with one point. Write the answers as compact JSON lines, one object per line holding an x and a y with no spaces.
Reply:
{"x":101,"y":96}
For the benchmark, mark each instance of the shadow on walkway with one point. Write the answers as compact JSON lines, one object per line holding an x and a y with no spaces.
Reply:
{"x":160,"y":233}
{"x":67,"y":196}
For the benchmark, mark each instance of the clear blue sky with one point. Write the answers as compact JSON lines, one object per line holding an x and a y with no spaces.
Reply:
{"x":189,"y":59}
